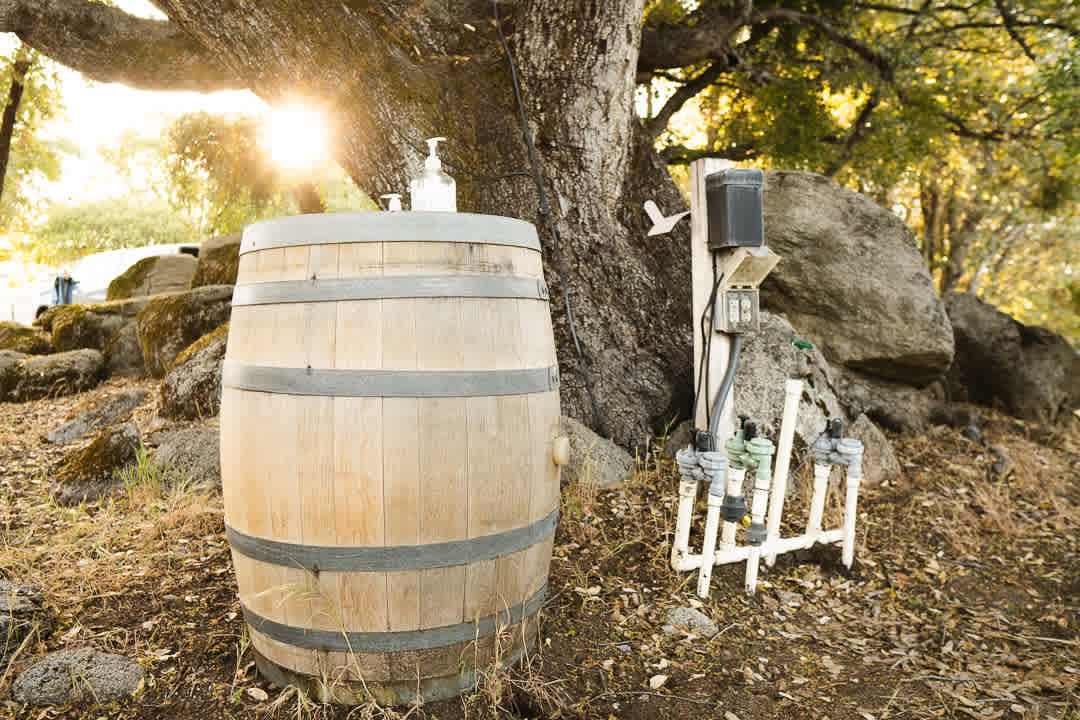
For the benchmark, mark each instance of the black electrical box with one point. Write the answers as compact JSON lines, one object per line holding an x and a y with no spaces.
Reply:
{"x":735,"y":212}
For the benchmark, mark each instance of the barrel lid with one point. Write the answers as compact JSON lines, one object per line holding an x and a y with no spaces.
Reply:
{"x":358,"y":227}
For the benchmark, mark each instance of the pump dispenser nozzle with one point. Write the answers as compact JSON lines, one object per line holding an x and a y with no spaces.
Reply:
{"x":432,"y":161}
{"x":434,"y":189}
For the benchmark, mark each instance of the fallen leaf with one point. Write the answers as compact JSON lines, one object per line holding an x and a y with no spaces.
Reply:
{"x":257,"y":694}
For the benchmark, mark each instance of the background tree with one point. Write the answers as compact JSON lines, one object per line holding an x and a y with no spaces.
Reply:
{"x":26,"y":158}
{"x":221,"y":177}
{"x":72,"y":232}
{"x":393,"y":72}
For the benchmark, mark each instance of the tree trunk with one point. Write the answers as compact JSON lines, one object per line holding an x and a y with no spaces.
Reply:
{"x":308,"y":199}
{"x":20,"y":67}
{"x":396,"y":72}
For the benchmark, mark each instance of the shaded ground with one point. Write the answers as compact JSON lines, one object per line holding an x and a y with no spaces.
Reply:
{"x":964,"y":602}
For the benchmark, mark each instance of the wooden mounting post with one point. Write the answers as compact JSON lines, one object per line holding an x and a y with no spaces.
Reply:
{"x":702,"y":283}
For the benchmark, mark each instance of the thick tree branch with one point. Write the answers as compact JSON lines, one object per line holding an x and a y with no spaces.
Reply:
{"x":707,"y":36}
{"x":108,"y":45}
{"x":682,"y":155}
{"x":656,"y":125}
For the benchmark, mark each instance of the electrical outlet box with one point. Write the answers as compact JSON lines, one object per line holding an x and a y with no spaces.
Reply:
{"x":733,"y":199}
{"x":737,"y":311}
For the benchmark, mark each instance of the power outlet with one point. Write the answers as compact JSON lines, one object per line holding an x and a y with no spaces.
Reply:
{"x":739,"y":311}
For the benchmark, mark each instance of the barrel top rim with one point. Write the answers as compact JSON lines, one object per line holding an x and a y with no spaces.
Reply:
{"x":376,"y":226}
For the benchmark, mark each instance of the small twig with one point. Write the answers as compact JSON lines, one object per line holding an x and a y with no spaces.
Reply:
{"x":721,"y":632}
{"x":1044,"y":639}
{"x":945,"y":678}
{"x":651,"y":694}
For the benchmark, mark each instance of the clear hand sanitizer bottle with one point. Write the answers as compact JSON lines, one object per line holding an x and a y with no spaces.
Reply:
{"x":434,"y":189}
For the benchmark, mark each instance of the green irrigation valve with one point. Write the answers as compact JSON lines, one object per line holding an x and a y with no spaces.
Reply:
{"x":802,"y":344}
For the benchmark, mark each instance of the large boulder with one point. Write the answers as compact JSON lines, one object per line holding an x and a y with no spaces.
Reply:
{"x":22,"y":613}
{"x":851,"y":279}
{"x":192,"y":388}
{"x":153,"y":276}
{"x":219,"y":261}
{"x":768,"y":358}
{"x":89,"y":326}
{"x":36,"y":377}
{"x":84,"y":675}
{"x":892,"y":405}
{"x":1029,"y":371}
{"x":20,"y":338}
{"x":97,"y":414}
{"x":170,"y":323}
{"x":89,"y":473}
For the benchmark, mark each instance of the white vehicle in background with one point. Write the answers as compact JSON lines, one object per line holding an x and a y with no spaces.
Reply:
{"x":89,"y":278}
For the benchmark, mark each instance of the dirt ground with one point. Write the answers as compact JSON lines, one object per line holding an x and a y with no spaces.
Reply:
{"x":964,"y":600}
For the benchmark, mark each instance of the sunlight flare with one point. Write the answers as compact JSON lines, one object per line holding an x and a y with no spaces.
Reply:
{"x":297,"y":138}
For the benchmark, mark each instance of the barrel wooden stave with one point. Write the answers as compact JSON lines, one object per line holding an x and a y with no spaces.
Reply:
{"x":405,"y":460}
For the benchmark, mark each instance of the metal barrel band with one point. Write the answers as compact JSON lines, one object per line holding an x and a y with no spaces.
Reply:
{"x":388,"y":383}
{"x":389,"y":287}
{"x":377,"y":642}
{"x":328,"y":558}
{"x":366,"y":227}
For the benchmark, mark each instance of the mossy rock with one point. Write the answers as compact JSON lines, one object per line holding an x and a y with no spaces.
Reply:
{"x":219,"y":262}
{"x":93,"y":325}
{"x":123,"y":354}
{"x":63,"y":373}
{"x":192,"y":388}
{"x":11,"y":369}
{"x":44,"y":320}
{"x":20,"y":338}
{"x":170,"y":323}
{"x":89,"y":473}
{"x":153,"y":276}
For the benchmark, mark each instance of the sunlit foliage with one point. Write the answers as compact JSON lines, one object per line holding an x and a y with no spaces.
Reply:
{"x":962,"y":117}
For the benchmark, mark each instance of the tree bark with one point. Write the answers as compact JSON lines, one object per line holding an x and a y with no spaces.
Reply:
{"x":389,"y":73}
{"x":20,"y":67}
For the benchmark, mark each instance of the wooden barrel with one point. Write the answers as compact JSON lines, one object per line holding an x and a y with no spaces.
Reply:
{"x":389,"y":405}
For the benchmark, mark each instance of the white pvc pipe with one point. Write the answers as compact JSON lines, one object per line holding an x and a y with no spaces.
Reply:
{"x":757,"y":515}
{"x":708,"y":548}
{"x":817,"y":502}
{"x":781,"y":546}
{"x":792,"y":394}
{"x":735,"y":478}
{"x":848,"y":553}
{"x":680,"y":546}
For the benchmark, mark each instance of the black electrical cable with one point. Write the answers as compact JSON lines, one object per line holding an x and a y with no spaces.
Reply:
{"x":706,"y":346}
{"x":545,"y":210}
{"x":725,"y":386}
